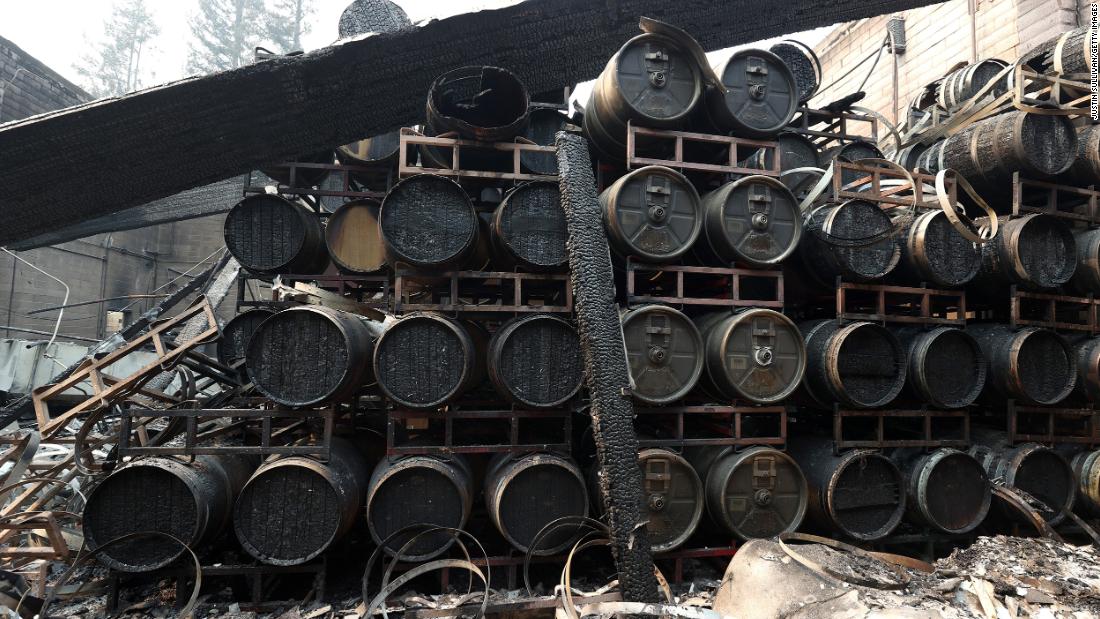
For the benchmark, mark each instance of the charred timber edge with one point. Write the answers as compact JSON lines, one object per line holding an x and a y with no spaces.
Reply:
{"x":205,"y":129}
{"x":606,"y":371}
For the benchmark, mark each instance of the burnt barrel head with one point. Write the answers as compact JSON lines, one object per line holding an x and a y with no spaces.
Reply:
{"x":479,"y":102}
{"x":535,"y":360}
{"x":755,"y":494}
{"x":1049,"y":143}
{"x":1034,"y":251}
{"x":866,"y":496}
{"x":858,"y":364}
{"x":1032,"y":365}
{"x":428,"y":221}
{"x":653,"y":213}
{"x":1086,"y":351}
{"x":852,"y":152}
{"x":417,"y":490}
{"x":854,"y":240}
{"x":543,"y":125}
{"x":363,"y":16}
{"x":804,"y":66}
{"x":1086,"y":278}
{"x":269,"y":234}
{"x":664,"y":351}
{"x":760,"y":96}
{"x":946,"y":368}
{"x":757,"y":355}
{"x":425,"y":360}
{"x":529,"y":226}
{"x":525,"y":494}
{"x":948,"y":490}
{"x":233,"y":345}
{"x":935,"y":252}
{"x":754,"y":220}
{"x":1037,"y":470}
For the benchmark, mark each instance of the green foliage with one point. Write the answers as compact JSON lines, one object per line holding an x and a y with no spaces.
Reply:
{"x":114,"y":67}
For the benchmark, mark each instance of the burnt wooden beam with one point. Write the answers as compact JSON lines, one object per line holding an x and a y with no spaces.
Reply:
{"x":109,"y":155}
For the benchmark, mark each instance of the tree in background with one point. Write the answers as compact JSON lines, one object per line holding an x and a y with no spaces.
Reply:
{"x":225,"y":34}
{"x":114,"y":67}
{"x":286,"y":22}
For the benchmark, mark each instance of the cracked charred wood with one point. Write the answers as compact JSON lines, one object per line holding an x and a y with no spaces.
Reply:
{"x":311,"y":355}
{"x":804,"y":65}
{"x":363,"y":16}
{"x":354,"y":239}
{"x":859,"y":493}
{"x":1066,"y":54}
{"x":653,"y":213}
{"x":856,"y":364}
{"x":946,"y":366}
{"x":959,"y":86}
{"x":606,"y":372}
{"x":1086,"y":277}
{"x":673,"y":496}
{"x":535,"y":361}
{"x":761,"y":96}
{"x":1032,"y":365}
{"x":528,"y":227}
{"x":754,"y":355}
{"x":1037,"y":470}
{"x":284,"y":106}
{"x":543,"y":124}
{"x":270,"y":234}
{"x":191,"y":502}
{"x":1086,"y":351}
{"x":1034,"y":251}
{"x":428,"y":221}
{"x":754,"y":221}
{"x":752,"y":494}
{"x":1086,"y":467}
{"x":294,"y":508}
{"x":525,"y":493}
{"x":935,"y":253}
{"x":425,"y":360}
{"x":948,"y":490}
{"x":664,"y":350}
{"x":836,"y":244}
{"x":233,"y":345}
{"x":1085,"y":170}
{"x":413,"y":490}
{"x":650,"y":82}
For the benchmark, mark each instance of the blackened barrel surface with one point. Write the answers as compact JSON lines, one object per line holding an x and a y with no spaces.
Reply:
{"x":857,"y":364}
{"x":354,"y":239}
{"x":852,"y":152}
{"x":529,"y":227}
{"x":1033,"y":251}
{"x":1086,"y":278}
{"x":859,"y":493}
{"x":415,"y":490}
{"x":1086,"y":466}
{"x":488,"y":104}
{"x":309,"y":355}
{"x":543,"y":125}
{"x":233,"y":345}
{"x":1085,"y":170}
{"x":760,"y":96}
{"x":1086,"y":354}
{"x":946,"y":367}
{"x":754,"y":220}
{"x":292,"y":509}
{"x":535,"y":360}
{"x":755,"y":355}
{"x":948,"y":489}
{"x":653,"y":213}
{"x":1032,"y":365}
{"x":752,"y":494}
{"x":428,"y":221}
{"x":936,"y":253}
{"x":380,"y":150}
{"x":525,"y":494}
{"x":1064,"y":54}
{"x":795,"y":151}
{"x":804,"y":66}
{"x":1039,"y":471}
{"x":853,"y":240}
{"x":962,"y":84}
{"x":190,"y":502}
{"x":665,"y":352}
{"x":425,"y":360}
{"x":269,"y":234}
{"x":363,"y":16}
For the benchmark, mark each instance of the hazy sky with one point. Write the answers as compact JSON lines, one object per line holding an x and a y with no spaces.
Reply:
{"x":58,"y":32}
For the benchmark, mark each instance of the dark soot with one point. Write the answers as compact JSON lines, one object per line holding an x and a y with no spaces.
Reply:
{"x":418,"y":495}
{"x":537,"y":496}
{"x":421,"y":361}
{"x":951,"y":257}
{"x":428,"y":220}
{"x":289,"y":514}
{"x":541,"y":361}
{"x":264,"y":233}
{"x":868,"y":363}
{"x":1044,"y":475}
{"x":298,"y":356}
{"x":860,"y":220}
{"x":1048,"y":142}
{"x":1047,"y":252}
{"x":957,"y":489}
{"x":1045,"y":367}
{"x":953,"y":367}
{"x":867,"y":495}
{"x":533,"y":225}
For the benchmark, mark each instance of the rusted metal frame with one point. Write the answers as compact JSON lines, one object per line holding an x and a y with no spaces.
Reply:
{"x":454,"y":279}
{"x":268,"y":433}
{"x":735,"y":275}
{"x":1029,"y":89}
{"x":58,"y":550}
{"x":1015,"y":413}
{"x":883,"y":313}
{"x":876,"y":193}
{"x":881,"y":442}
{"x":734,"y":415}
{"x":1054,"y":190}
{"x":413,"y":137}
{"x":448,"y":417}
{"x":835,"y":125}
{"x":1054,"y":302}
{"x":732,"y":144}
{"x":345,"y":173}
{"x":346,"y":284}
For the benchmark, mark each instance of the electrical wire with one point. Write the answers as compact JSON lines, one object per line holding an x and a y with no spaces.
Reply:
{"x":65,"y":301}
{"x":876,"y":53}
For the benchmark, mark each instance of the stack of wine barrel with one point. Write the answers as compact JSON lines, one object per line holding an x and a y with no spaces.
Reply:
{"x":743,"y":368}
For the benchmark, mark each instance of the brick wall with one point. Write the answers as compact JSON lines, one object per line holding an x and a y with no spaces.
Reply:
{"x":36,"y":88}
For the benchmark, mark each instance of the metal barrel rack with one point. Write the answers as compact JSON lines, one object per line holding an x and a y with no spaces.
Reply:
{"x":499,"y":292}
{"x":709,"y":424}
{"x":681,"y":286}
{"x":733,"y":151}
{"x":436,"y":433}
{"x":922,"y":427}
{"x":1053,"y":425}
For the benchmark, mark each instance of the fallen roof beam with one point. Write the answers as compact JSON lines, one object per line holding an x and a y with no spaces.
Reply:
{"x":88,"y":161}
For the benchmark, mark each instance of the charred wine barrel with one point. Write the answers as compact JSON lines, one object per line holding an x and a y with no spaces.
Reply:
{"x":856,"y":364}
{"x":1086,"y":467}
{"x":426,"y":360}
{"x":665,"y":352}
{"x":488,"y":104}
{"x":946,"y":367}
{"x":524,"y":494}
{"x":428,"y":221}
{"x":302,"y":177}
{"x":910,"y":156}
{"x":311,"y":354}
{"x":761,"y":95}
{"x":292,"y":509}
{"x":354,"y":239}
{"x":753,"y":494}
{"x":804,"y":65}
{"x":1039,"y":471}
{"x":1086,"y":277}
{"x":961,"y":85}
{"x":795,"y":151}
{"x":543,"y":125}
{"x":1032,"y":365}
{"x":653,"y":213}
{"x":233,"y":345}
{"x":411,"y":490}
{"x":936,"y":253}
{"x":1085,"y":170}
{"x":852,"y":152}
{"x":535,"y":360}
{"x":1086,"y":354}
{"x":650,"y":82}
{"x":1033,"y":251}
{"x":836,"y":243}
{"x":990,"y":151}
{"x":269,"y":234}
{"x":1066,"y":54}
{"x":528,"y":227}
{"x":754,"y":355}
{"x":378,"y":151}
{"x":931,"y":158}
{"x":859,"y":493}
{"x":191,"y":502}
{"x":754,"y":220}
{"x":948,"y":489}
